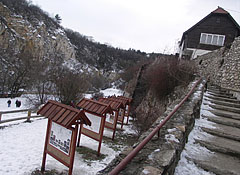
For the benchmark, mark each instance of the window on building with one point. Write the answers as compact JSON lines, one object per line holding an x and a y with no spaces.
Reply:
{"x":212,"y":39}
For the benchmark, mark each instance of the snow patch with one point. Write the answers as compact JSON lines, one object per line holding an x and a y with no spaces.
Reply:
{"x":172,"y":130}
{"x":171,"y":137}
{"x":185,"y":165}
{"x":111,"y":91}
{"x":145,"y":171}
{"x":22,"y":144}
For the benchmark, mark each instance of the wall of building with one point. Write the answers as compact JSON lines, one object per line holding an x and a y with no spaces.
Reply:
{"x":198,"y":52}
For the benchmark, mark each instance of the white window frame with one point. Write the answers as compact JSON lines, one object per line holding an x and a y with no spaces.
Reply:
{"x":207,"y":38}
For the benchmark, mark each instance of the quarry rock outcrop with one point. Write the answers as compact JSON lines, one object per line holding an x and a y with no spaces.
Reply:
{"x":20,"y":35}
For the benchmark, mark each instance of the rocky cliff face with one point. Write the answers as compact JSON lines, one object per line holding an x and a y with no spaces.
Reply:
{"x":21,"y":35}
{"x":29,"y":37}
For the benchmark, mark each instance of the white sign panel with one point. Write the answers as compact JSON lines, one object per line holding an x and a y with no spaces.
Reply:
{"x":60,"y":138}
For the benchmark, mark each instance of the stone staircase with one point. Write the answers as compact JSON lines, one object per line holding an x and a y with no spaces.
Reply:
{"x":216,"y":140}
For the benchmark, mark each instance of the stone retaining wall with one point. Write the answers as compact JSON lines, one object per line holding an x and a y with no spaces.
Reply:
{"x":222,"y":66}
{"x":161,"y":154}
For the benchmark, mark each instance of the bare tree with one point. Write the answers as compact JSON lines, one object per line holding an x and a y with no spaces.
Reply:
{"x":58,"y":18}
{"x":69,"y":85}
{"x":15,"y":71}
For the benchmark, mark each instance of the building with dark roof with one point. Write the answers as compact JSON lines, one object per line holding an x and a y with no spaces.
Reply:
{"x":212,"y":32}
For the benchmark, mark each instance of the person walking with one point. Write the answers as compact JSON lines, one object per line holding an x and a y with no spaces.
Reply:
{"x":17,"y":103}
{"x":9,"y":103}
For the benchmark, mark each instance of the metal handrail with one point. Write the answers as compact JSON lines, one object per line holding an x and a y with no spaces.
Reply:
{"x":134,"y":152}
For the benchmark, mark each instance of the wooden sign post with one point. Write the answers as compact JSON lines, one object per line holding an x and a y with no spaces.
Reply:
{"x":116,"y":106}
{"x":122,"y":112}
{"x":62,"y":130}
{"x":128,"y":106}
{"x":98,"y":109}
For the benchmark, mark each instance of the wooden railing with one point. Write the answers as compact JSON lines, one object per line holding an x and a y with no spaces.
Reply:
{"x":28,"y":117}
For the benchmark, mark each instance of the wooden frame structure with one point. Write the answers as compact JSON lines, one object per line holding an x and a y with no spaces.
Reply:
{"x":124,"y":112}
{"x":116,"y":106}
{"x":128,"y":106}
{"x":63,"y":124}
{"x":98,"y":109}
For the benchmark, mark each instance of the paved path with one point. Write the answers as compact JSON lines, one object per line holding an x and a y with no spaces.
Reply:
{"x":217,"y":142}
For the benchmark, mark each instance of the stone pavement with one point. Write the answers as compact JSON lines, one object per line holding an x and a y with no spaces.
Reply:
{"x":222,"y":154}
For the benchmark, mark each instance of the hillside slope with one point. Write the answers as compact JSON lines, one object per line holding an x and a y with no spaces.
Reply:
{"x":29,"y":37}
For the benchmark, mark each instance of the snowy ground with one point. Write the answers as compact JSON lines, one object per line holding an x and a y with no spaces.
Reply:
{"x":22,"y":145}
{"x":185,"y":165}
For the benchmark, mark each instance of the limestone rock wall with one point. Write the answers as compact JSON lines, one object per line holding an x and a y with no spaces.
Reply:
{"x":222,"y":66}
{"x":20,"y":35}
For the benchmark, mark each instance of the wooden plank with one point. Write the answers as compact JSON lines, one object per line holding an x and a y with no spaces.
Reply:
{"x":93,"y":107}
{"x":109,"y":125}
{"x":100,"y":110}
{"x":51,"y":109}
{"x":58,"y":115}
{"x":68,"y":118}
{"x":115,"y":106}
{"x":89,"y":105}
{"x":63,"y":105}
{"x":83,"y":103}
{"x":97,"y":108}
{"x":118,"y":100}
{"x":91,"y":134}
{"x":63,"y":116}
{"x":55,"y":111}
{"x":14,"y":111}
{"x":45,"y":109}
{"x":19,"y":118}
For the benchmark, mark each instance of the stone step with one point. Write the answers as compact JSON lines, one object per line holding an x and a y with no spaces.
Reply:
{"x":224,"y":131}
{"x":220,"y":92}
{"x":217,"y":163}
{"x":221,"y":145}
{"x":235,"y":105}
{"x":223,"y":99}
{"x":223,"y":120}
{"x":212,"y":88}
{"x":218,"y":88}
{"x":225,"y":108}
{"x":225,"y":114}
{"x":222,"y":95}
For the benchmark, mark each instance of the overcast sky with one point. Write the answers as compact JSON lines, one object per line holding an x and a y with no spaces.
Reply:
{"x":146,"y":25}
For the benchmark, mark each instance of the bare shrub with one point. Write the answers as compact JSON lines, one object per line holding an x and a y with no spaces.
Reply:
{"x":69,"y":86}
{"x":163,"y":77}
{"x":160,"y":81}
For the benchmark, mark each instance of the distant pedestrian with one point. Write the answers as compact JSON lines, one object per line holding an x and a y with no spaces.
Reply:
{"x":9,"y":103}
{"x":17,"y":103}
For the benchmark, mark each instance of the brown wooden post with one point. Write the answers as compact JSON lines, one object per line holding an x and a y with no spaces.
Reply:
{"x":75,"y":133}
{"x":101,"y":132}
{"x":0,"y":116}
{"x":45,"y":146}
{"x":29,"y":116}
